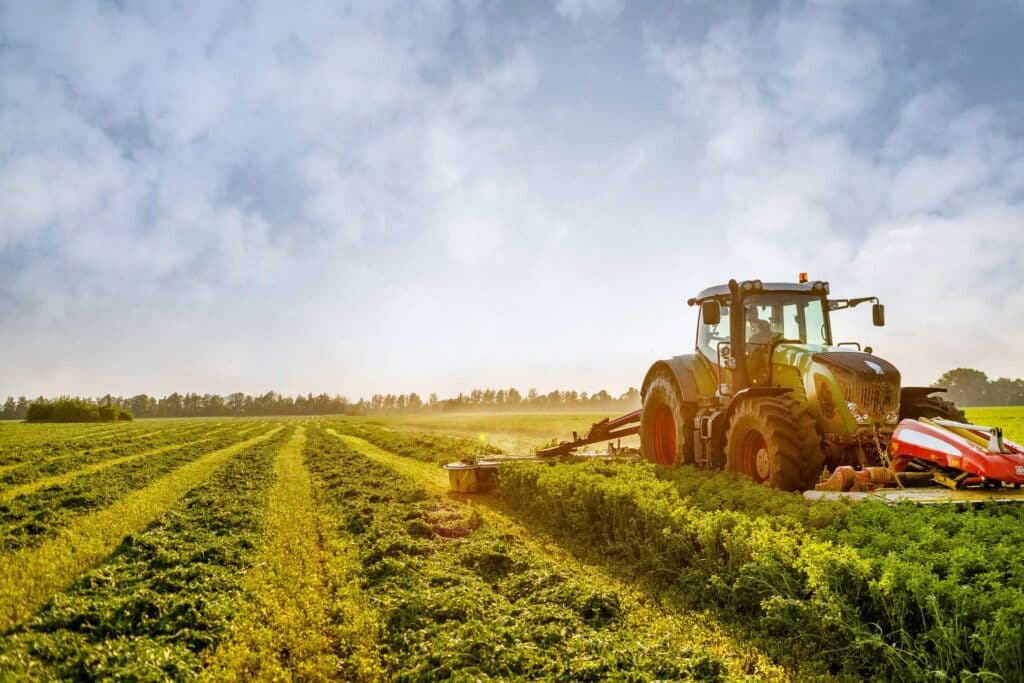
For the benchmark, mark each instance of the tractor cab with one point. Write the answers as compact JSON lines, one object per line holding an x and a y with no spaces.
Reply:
{"x":741,"y":325}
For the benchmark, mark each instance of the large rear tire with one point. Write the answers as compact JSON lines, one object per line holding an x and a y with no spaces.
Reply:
{"x":930,"y":406}
{"x":666,"y":424}
{"x":773,"y":441}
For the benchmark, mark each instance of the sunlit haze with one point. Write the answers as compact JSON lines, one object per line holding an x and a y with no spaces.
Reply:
{"x":437,"y":196}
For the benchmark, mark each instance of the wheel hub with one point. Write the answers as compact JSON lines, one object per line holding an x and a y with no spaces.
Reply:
{"x":755,"y":460}
{"x":763,"y":464}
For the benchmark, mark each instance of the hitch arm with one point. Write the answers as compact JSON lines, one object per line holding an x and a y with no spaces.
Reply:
{"x":607,"y":429}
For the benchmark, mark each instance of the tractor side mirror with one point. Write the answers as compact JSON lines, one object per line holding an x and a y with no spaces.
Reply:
{"x":710,"y":313}
{"x":878,"y":315}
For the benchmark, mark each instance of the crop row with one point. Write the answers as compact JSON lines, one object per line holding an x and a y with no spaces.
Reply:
{"x":891,"y":592}
{"x":165,"y":597}
{"x":75,"y":456}
{"x":29,"y":449}
{"x":863,"y":590}
{"x":22,"y":445}
{"x":30,"y":519}
{"x":424,"y":447}
{"x":305,"y":618}
{"x":458,"y":597}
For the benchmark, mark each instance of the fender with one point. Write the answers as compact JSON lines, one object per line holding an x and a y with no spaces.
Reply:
{"x":679,"y":367}
{"x":752,"y":392}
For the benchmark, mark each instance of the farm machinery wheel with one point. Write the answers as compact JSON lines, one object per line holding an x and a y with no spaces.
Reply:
{"x":773,"y":441}
{"x":666,"y":424}
{"x":917,"y":407}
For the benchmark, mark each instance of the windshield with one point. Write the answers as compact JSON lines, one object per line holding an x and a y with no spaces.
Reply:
{"x":789,"y":316}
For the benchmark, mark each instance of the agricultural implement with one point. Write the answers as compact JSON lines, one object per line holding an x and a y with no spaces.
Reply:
{"x":480,"y":474}
{"x":768,"y":393}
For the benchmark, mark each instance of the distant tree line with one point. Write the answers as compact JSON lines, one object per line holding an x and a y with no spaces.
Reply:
{"x":273,"y":403}
{"x":967,"y":387}
{"x":970,"y":387}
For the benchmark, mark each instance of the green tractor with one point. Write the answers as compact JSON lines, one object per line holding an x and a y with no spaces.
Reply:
{"x":769,"y":394}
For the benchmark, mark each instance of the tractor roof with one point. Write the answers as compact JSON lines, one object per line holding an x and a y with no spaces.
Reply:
{"x":723,"y":290}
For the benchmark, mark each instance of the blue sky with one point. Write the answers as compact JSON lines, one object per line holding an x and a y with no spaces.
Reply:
{"x":322,"y":196}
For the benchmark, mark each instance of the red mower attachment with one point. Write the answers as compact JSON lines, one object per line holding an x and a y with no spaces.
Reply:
{"x":957,"y":455}
{"x":971,"y":464}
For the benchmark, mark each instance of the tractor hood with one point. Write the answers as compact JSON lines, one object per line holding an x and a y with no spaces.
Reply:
{"x":845,"y":388}
{"x":858,"y":363}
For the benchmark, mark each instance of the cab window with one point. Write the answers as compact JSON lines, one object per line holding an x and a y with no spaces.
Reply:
{"x":710,"y":336}
{"x":794,"y":317}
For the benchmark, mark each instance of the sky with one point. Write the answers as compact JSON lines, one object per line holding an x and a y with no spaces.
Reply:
{"x":435,"y":196}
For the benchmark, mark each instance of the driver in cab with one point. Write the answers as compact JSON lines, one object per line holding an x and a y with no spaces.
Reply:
{"x":759,"y":337}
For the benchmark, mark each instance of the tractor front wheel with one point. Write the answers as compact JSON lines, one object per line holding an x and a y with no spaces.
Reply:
{"x":773,"y":441}
{"x":666,"y":424}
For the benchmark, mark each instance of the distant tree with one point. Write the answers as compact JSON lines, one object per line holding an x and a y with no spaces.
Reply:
{"x":9,"y":411}
{"x":966,"y":386}
{"x":631,"y":398}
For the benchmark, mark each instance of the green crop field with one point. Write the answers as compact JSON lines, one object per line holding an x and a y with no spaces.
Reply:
{"x":329,"y":549}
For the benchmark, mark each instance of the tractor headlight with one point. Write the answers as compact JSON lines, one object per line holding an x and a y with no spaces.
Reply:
{"x":859,"y":416}
{"x":747,"y":286}
{"x":758,"y":285}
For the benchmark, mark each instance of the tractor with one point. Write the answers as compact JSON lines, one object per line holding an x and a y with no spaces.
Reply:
{"x":768,"y":393}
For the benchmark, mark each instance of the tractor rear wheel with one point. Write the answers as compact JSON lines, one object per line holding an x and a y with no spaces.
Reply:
{"x":931,"y":406}
{"x":666,"y":424}
{"x":773,"y":441}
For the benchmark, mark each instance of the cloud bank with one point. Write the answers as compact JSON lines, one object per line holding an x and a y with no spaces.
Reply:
{"x":392,"y":197}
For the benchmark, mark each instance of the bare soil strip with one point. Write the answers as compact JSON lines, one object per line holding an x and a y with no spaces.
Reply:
{"x":303,"y":610}
{"x":29,"y":577}
{"x":700,"y":629}
{"x":58,"y":479}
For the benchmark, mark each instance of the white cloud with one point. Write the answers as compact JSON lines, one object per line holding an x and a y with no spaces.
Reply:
{"x":923,"y":220}
{"x":171,"y":181}
{"x":577,"y":9}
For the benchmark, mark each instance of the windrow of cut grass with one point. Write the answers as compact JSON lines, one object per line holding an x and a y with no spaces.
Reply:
{"x":78,"y":458}
{"x":696,"y":628}
{"x":457,"y":597}
{"x":860,"y":590}
{"x":899,"y":593}
{"x":304,"y":617}
{"x":28,"y":577}
{"x":165,"y":599}
{"x":32,"y":514}
{"x":23,"y":435}
{"x":19,"y":449}
{"x":512,"y":432}
{"x":426,"y":447}
{"x":30,"y":450}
